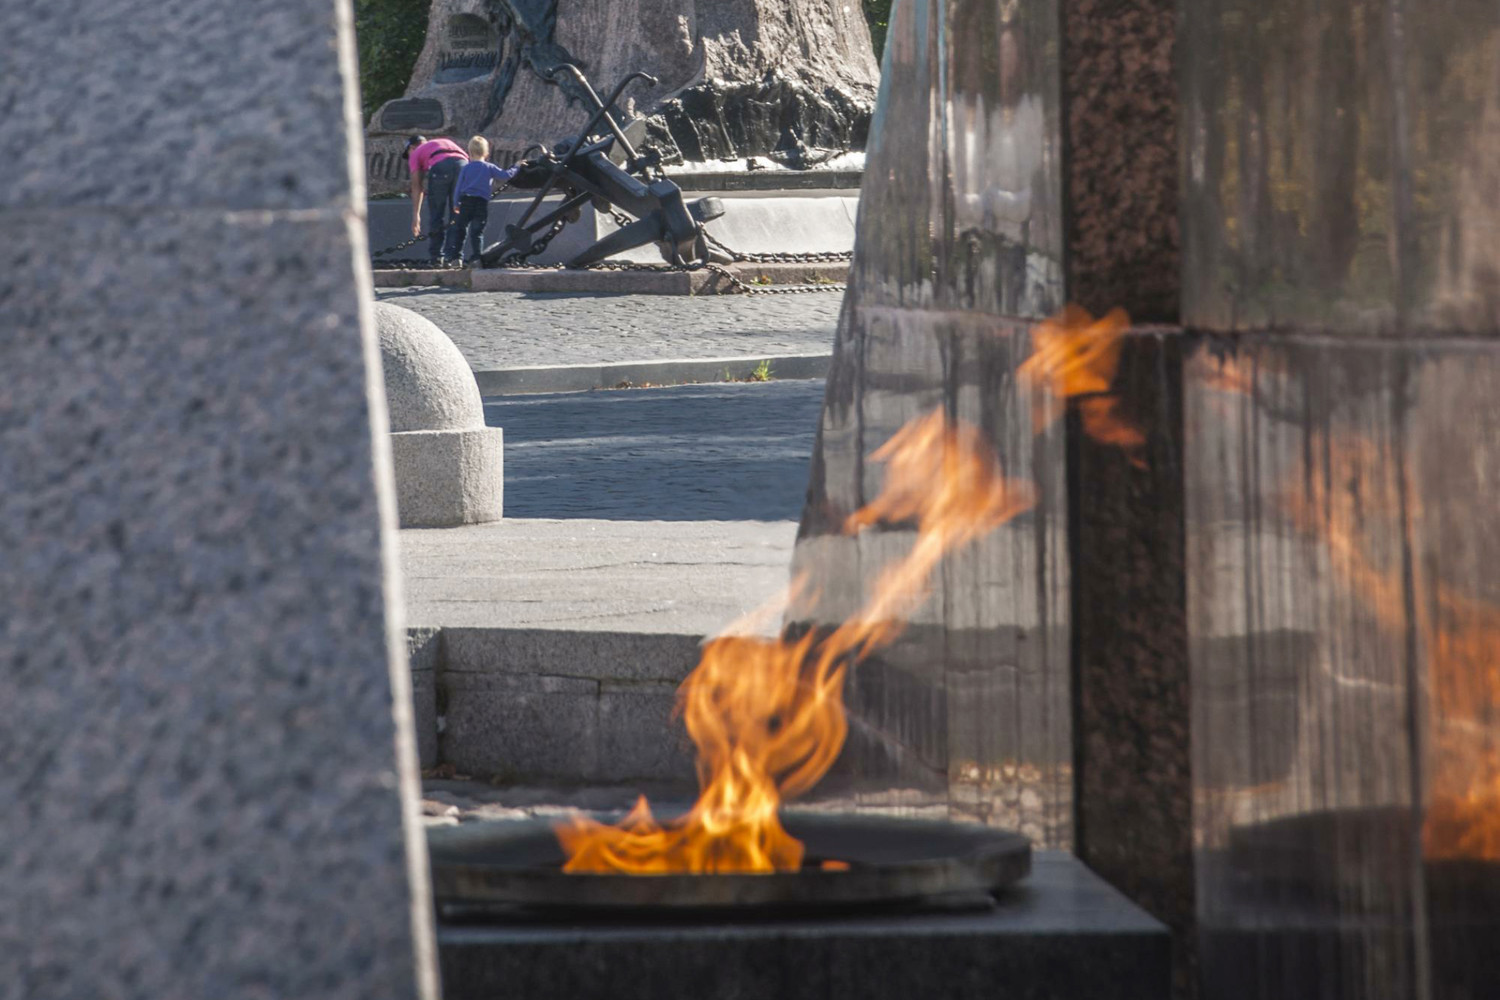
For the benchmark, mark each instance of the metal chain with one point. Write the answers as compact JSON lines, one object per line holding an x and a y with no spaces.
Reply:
{"x":376,"y":255}
{"x":809,"y":257}
{"x":521,"y":261}
{"x":536,"y":248}
{"x":812,"y":257}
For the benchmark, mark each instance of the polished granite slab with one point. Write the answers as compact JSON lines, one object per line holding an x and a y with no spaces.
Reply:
{"x":1063,"y":933}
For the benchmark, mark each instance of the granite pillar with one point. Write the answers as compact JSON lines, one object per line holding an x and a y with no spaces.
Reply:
{"x":1133,"y":789}
{"x":1340,"y":260}
{"x":208,"y":766}
{"x":959,"y":251}
{"x":1023,"y":156}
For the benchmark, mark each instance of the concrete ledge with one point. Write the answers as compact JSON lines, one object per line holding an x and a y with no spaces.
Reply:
{"x":603,"y":281}
{"x":566,"y":707}
{"x":581,"y":378}
{"x":392,"y":278}
{"x":616,"y":282}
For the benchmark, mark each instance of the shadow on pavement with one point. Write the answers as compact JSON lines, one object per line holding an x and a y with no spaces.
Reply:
{"x":722,"y":452}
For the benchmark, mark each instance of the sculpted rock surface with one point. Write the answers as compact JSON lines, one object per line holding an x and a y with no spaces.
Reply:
{"x":450,"y":467}
{"x":428,"y":384}
{"x":791,"y":79}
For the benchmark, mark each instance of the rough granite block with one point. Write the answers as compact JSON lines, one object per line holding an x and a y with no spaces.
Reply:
{"x":424,"y":647}
{"x":574,"y":653}
{"x":639,"y":737}
{"x":451,"y":477}
{"x":521,"y":729}
{"x":208,"y":750}
{"x":180,"y":104}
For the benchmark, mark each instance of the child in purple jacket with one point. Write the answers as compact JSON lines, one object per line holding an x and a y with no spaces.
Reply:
{"x":471,"y":200}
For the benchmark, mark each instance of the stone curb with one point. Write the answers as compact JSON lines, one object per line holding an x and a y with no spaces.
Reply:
{"x":608,"y":282}
{"x":552,"y":706}
{"x":628,"y":374}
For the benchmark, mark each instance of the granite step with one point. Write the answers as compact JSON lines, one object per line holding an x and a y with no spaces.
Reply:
{"x":1062,"y":934}
{"x":549,"y":652}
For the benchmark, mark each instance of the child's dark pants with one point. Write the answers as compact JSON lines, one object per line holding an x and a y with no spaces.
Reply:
{"x":472,"y":214}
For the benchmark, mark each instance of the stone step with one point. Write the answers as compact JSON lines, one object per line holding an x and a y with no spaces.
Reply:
{"x":1062,"y":933}
{"x":549,"y":652}
{"x":552,"y":706}
{"x":607,"y":281}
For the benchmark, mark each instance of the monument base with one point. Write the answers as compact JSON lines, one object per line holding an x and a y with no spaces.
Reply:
{"x":1063,"y":932}
{"x":755,"y":221}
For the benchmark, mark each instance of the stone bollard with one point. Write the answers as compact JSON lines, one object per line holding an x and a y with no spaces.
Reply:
{"x":449,"y":466}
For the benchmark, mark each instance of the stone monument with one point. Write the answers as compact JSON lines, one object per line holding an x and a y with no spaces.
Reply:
{"x":209,"y":778}
{"x":794,"y":80}
{"x":450,"y":467}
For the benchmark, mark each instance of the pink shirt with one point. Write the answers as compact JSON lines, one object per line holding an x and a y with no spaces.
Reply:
{"x":424,"y":156}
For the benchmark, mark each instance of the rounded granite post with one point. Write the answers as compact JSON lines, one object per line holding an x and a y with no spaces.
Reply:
{"x":207,"y":757}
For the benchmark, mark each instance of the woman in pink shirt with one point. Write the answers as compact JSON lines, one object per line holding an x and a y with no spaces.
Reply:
{"x":434,"y":170}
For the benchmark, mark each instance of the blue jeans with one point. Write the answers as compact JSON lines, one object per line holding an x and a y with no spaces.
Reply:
{"x":470,"y":218}
{"x":440,"y":181}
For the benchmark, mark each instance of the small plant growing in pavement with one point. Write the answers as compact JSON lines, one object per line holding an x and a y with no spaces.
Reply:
{"x":762,"y":372}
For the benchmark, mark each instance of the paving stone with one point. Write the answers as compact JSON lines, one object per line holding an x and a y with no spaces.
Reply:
{"x":637,"y":595}
{"x":729,"y":451}
{"x":497,"y":330}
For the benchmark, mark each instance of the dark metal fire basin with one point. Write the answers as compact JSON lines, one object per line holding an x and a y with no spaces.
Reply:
{"x":897,"y":863}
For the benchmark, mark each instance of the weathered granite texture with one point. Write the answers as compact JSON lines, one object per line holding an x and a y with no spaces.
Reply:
{"x":1132,"y":768}
{"x":1023,"y":156}
{"x":1129,"y":647}
{"x":1061,"y":933}
{"x":449,"y":467}
{"x":794,"y":79}
{"x":960,"y":233}
{"x":1119,"y":88}
{"x":1342,"y":541}
{"x":1352,"y":184}
{"x":208,"y":761}
{"x":428,"y":384}
{"x":1341,"y":529}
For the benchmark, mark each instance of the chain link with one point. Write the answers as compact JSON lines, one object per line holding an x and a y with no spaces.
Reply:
{"x":521,"y":261}
{"x":376,"y":255}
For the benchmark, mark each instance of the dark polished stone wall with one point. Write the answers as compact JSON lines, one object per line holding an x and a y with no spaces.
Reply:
{"x":1342,"y":166}
{"x":1021,"y":157}
{"x":959,"y":249}
{"x":1341,"y":185}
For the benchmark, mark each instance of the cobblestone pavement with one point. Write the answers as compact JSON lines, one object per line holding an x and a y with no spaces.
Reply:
{"x":725,"y":452}
{"x":498,"y":330}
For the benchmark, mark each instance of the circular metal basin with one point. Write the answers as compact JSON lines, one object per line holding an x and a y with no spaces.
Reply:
{"x":895,"y":862}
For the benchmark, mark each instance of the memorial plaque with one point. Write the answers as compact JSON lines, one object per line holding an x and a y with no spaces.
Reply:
{"x":470,"y":31}
{"x":473,"y":50}
{"x":421,"y":113}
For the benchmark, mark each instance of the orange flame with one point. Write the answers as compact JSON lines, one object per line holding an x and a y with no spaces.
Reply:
{"x":1460,"y":636}
{"x":766,"y":715}
{"x":1076,"y":357}
{"x":1463,"y":811}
